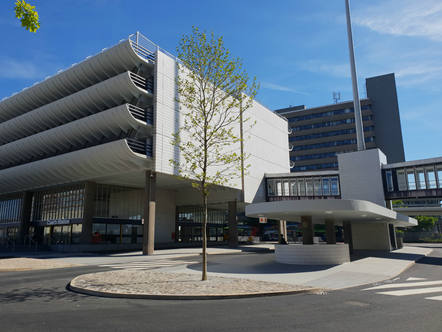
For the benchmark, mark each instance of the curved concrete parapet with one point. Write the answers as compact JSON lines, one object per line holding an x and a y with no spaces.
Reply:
{"x":317,"y":254}
{"x":74,"y":133}
{"x":95,"y":99}
{"x":99,"y":68}
{"x":108,"y":159}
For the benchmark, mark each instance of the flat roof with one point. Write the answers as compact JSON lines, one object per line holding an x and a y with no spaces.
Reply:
{"x":340,"y":210}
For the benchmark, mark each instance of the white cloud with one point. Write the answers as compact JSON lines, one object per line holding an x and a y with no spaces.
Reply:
{"x":403,"y":18}
{"x":281,"y":88}
{"x":15,"y":69}
{"x":325,"y":67}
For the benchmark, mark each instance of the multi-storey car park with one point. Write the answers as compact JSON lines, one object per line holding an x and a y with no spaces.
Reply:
{"x":85,"y":159}
{"x":319,"y":134}
{"x":84,"y":156}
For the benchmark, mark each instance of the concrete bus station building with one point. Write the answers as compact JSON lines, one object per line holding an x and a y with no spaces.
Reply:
{"x":85,"y":159}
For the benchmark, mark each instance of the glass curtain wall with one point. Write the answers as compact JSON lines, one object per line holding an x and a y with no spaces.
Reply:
{"x":416,"y":178}
{"x":309,"y":186}
{"x":118,"y":202}
{"x":10,"y":208}
{"x":58,"y":203}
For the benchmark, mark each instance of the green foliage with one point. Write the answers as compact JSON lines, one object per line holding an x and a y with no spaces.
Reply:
{"x":213,"y":93}
{"x":398,"y":203}
{"x":424,"y":222}
{"x":27,"y":15}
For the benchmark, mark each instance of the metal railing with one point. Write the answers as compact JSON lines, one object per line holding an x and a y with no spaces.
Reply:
{"x":141,"y":82}
{"x":142,"y":51}
{"x":30,"y":241}
{"x":144,"y":148}
{"x":141,"y":114}
{"x":8,"y":240}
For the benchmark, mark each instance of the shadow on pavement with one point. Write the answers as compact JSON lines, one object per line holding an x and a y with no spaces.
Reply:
{"x":41,"y":294}
{"x":256,"y":264}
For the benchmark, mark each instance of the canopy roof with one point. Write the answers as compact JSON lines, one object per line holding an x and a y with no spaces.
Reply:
{"x":340,"y":210}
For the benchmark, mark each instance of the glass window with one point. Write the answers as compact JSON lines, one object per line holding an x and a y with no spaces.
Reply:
{"x":389,"y":178}
{"x":278,"y":188}
{"x":402,"y":183}
{"x":334,"y":185}
{"x":326,"y":186}
{"x":113,"y":233}
{"x":420,"y":178}
{"x":76,"y":233}
{"x":270,"y":188}
{"x":301,"y":187}
{"x":99,"y":233}
{"x":431,"y":177}
{"x":293,"y":188}
{"x":318,"y":187}
{"x":286,"y":188}
{"x":309,"y":186}
{"x":439,"y":174}
{"x":410,"y":178}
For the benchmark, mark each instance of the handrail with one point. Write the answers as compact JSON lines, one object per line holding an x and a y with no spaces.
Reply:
{"x":7,"y":242}
{"x":30,"y":240}
{"x":140,"y":147}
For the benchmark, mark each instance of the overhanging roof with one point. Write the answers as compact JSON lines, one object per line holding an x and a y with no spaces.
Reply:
{"x":340,"y":210}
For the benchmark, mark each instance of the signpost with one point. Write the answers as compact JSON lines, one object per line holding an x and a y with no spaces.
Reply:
{"x":263,"y":220}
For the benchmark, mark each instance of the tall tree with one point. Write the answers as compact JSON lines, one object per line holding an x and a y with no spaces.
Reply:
{"x":27,"y":15}
{"x":214,"y":92}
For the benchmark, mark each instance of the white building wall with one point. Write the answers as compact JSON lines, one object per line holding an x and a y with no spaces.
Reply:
{"x":371,"y":236}
{"x":267,"y":141}
{"x":164,"y":215}
{"x":360,"y":175}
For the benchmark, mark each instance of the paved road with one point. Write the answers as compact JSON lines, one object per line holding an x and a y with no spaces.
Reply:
{"x":39,"y":301}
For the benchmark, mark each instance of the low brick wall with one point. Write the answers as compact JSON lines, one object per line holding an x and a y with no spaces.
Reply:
{"x":316,"y":254}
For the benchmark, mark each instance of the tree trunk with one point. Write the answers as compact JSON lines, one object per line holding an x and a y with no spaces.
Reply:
{"x":204,"y":230}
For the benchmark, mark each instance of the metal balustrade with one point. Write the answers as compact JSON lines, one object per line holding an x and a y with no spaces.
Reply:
{"x":28,"y":237}
{"x":141,"y":82}
{"x":144,"y":148}
{"x":142,"y":51}
{"x":141,"y":114}
{"x":6,"y":240}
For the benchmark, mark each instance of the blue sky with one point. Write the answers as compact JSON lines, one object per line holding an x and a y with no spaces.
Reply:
{"x":297,"y":49}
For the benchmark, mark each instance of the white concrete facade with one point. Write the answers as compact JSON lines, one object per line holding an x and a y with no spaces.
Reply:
{"x":266,"y":142}
{"x":371,"y":236}
{"x":317,"y":254}
{"x":361,"y":175}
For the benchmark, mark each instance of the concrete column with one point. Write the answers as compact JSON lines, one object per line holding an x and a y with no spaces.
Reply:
{"x":25,"y":218}
{"x":330,"y":231}
{"x":280,"y":229}
{"x":88,"y":213}
{"x":348,"y":238}
{"x":307,"y":230}
{"x":177,"y":224}
{"x":284,"y":228}
{"x":233,"y":225}
{"x":149,"y":213}
{"x":393,"y":240}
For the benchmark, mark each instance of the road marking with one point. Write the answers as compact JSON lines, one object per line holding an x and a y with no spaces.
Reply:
{"x":437,"y":298}
{"x":412,"y":284}
{"x":413,"y":291}
{"x":415,"y":279}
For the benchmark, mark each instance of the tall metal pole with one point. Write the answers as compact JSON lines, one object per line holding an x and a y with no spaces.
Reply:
{"x":354,"y":79}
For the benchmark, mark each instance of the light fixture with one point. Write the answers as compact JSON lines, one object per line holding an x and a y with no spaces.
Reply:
{"x":363,"y":215}
{"x":328,"y":212}
{"x":378,"y":218}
